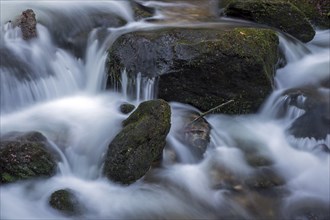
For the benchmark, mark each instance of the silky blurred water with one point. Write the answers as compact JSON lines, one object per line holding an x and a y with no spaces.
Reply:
{"x":63,"y":96}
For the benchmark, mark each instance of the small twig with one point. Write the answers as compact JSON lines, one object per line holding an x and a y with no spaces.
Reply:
{"x":211,"y":110}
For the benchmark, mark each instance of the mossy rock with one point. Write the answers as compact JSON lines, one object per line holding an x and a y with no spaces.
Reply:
{"x":25,"y":156}
{"x":126,"y":108}
{"x":206,"y":67}
{"x":275,"y":13}
{"x":141,"y":141}
{"x":317,"y":11}
{"x":65,"y":201}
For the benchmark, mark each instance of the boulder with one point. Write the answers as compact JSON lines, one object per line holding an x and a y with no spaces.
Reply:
{"x":206,"y":67}
{"x":126,"y":108}
{"x":141,"y":141}
{"x":28,"y":24}
{"x":275,"y":13}
{"x":65,"y":201}
{"x":316,"y":11}
{"x":25,"y":156}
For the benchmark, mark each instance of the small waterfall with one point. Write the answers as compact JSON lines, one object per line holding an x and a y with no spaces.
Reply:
{"x":44,"y":71}
{"x":138,"y":89}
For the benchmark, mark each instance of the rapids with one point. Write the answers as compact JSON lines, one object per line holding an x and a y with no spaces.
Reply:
{"x":64,"y":97}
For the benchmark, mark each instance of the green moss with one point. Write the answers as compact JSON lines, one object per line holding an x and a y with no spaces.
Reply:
{"x":6,"y":177}
{"x":64,"y":201}
{"x":140,"y":142}
{"x":317,"y":11}
{"x":24,"y":158}
{"x":279,"y":14}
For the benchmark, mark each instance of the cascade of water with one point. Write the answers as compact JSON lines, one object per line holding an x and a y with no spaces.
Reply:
{"x":44,"y":71}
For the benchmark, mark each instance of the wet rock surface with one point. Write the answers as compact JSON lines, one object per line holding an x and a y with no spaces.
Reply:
{"x":141,"y":141}
{"x":126,"y":108}
{"x":206,"y":67}
{"x":25,"y":156}
{"x":317,"y":11}
{"x":65,"y":201}
{"x":279,"y":14}
{"x":28,"y":24}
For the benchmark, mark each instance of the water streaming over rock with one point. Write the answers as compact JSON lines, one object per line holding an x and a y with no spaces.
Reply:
{"x":61,"y":94}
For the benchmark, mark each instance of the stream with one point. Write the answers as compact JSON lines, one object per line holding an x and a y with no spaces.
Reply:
{"x":63,"y":95}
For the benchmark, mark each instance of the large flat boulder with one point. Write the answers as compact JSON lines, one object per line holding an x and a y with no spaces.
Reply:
{"x":201,"y":67}
{"x":141,"y":142}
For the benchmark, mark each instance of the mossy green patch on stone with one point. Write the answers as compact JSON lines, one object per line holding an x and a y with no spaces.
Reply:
{"x":205,"y":66}
{"x":140,"y":142}
{"x":279,"y":14}
{"x":65,"y":201}
{"x":25,"y":156}
{"x":317,"y":11}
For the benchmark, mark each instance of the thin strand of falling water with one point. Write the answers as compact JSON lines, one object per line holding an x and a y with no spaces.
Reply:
{"x":138,"y":87}
{"x":150,"y":85}
{"x":63,"y":165}
{"x":124,"y":83}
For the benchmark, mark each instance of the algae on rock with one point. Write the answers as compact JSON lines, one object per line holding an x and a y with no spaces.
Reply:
{"x":141,"y":141}
{"x":276,"y":13}
{"x":24,"y":156}
{"x":205,"y":66}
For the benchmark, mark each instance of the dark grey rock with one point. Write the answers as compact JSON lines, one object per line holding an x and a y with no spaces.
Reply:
{"x":141,"y":141}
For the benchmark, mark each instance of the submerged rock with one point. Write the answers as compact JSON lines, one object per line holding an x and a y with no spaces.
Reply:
{"x":195,"y":134}
{"x":206,"y":67}
{"x":126,"y":108}
{"x":25,"y":156}
{"x":65,"y":201}
{"x":141,"y":11}
{"x":28,"y":24}
{"x":314,"y":122}
{"x":308,"y":208}
{"x":141,"y":141}
{"x":276,"y":13}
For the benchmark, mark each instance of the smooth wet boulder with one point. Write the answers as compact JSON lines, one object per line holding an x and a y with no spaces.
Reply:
{"x":65,"y":201}
{"x":28,"y":24}
{"x":126,"y":108}
{"x":201,"y":67}
{"x":274,"y":13}
{"x":25,"y":156}
{"x":141,"y":141}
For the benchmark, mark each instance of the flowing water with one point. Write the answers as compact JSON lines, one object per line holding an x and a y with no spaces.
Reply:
{"x":48,"y":88}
